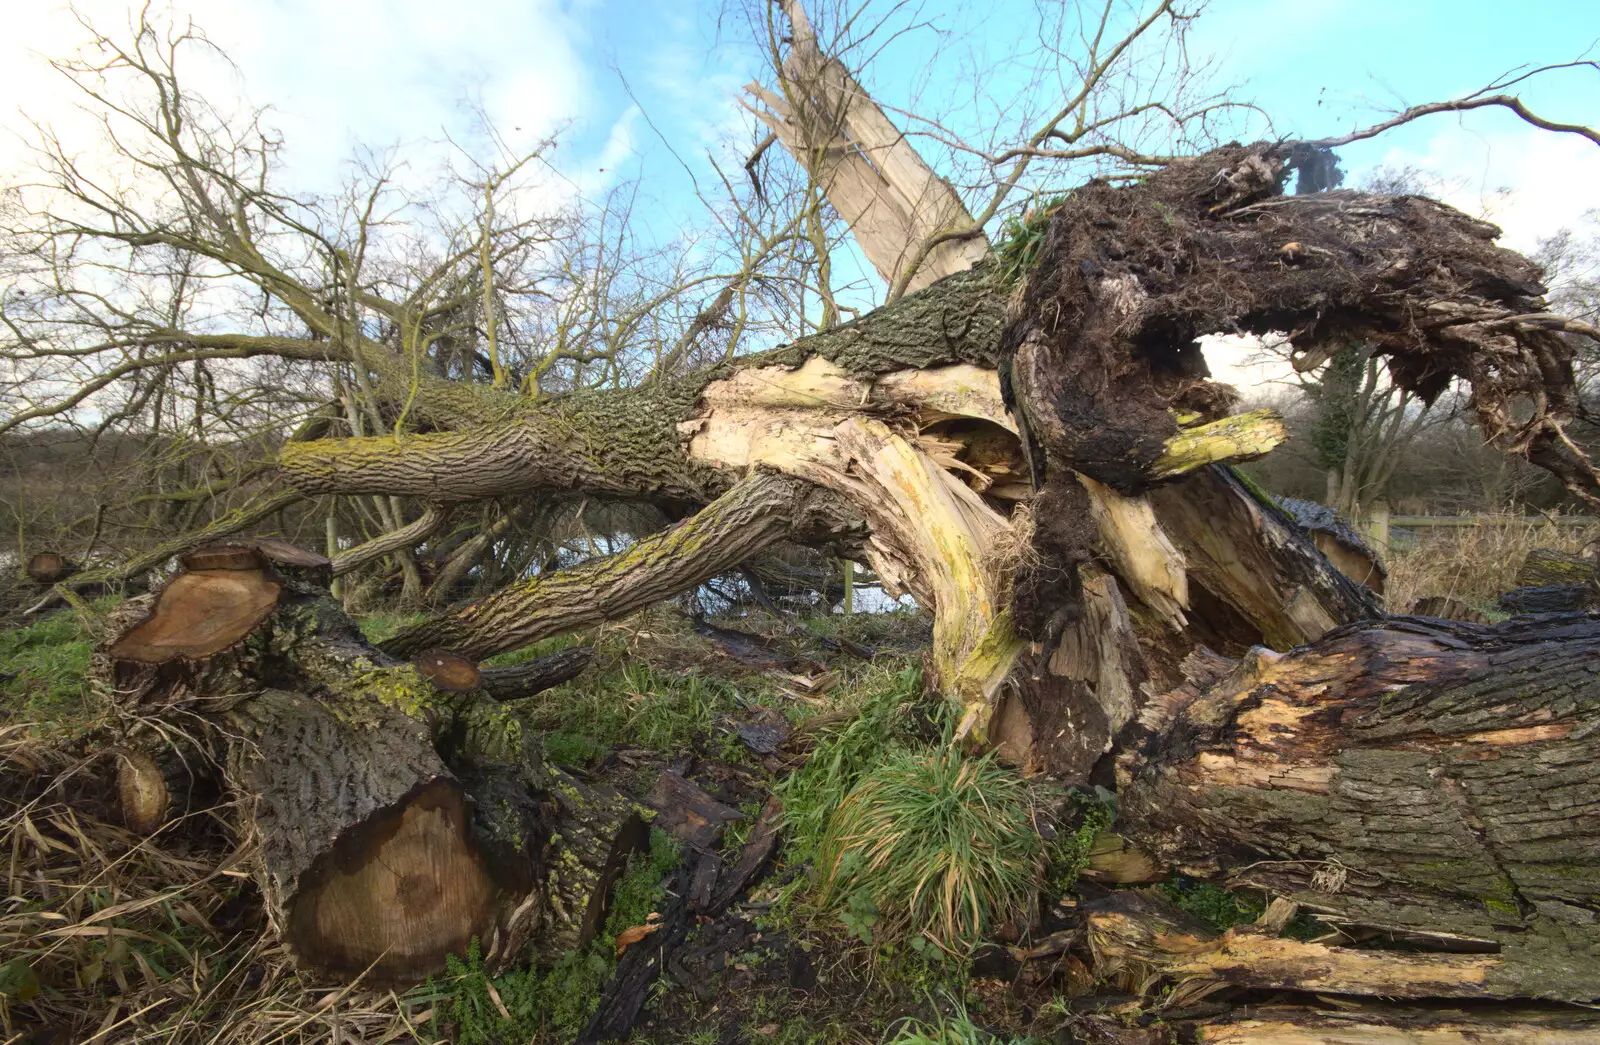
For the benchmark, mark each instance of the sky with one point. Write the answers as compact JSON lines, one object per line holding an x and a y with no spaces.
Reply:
{"x":642,"y":88}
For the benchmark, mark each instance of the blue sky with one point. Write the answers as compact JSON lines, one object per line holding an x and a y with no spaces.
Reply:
{"x":404,"y":71}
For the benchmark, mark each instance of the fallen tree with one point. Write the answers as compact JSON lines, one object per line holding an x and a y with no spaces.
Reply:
{"x":1418,"y":781}
{"x":1032,"y":448}
{"x":1059,"y":612}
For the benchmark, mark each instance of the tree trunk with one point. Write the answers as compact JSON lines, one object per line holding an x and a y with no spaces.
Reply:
{"x":1425,"y":780}
{"x":398,"y":817}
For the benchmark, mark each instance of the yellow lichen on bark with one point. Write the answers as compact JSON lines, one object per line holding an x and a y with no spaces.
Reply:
{"x":1238,"y":438}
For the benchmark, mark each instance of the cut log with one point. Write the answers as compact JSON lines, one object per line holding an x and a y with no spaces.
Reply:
{"x":1550,"y":598}
{"x":448,"y":672}
{"x":200,"y":614}
{"x":142,"y":791}
{"x":1544,"y":566}
{"x":1415,"y":778}
{"x":50,"y":567}
{"x":537,"y":675}
{"x":399,"y":815}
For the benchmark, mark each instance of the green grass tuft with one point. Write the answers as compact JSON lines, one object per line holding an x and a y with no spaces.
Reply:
{"x":844,"y":754}
{"x":933,"y":842}
{"x":954,"y":1029}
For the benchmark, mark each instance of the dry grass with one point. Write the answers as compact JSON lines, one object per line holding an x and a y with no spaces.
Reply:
{"x":1475,"y":564}
{"x":108,"y":937}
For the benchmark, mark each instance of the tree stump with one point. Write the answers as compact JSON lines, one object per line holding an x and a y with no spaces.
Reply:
{"x":401,"y":811}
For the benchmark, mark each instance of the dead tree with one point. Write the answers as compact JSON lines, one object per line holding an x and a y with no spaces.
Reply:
{"x":1040,"y":459}
{"x":1076,"y":550}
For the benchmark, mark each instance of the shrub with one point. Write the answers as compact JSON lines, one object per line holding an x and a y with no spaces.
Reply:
{"x":934,"y":842}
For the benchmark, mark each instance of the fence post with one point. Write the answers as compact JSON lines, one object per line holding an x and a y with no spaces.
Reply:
{"x":1378,"y":527}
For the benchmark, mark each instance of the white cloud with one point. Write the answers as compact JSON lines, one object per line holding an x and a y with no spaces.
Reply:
{"x":383,"y":72}
{"x":1531,"y":183}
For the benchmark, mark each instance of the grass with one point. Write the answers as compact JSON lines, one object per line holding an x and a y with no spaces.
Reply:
{"x":531,"y":1004}
{"x":43,"y":668}
{"x":956,"y":1028}
{"x":933,"y":843}
{"x":883,"y":720}
{"x":1475,"y":564}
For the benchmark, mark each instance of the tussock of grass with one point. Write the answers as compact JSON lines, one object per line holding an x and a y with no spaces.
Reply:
{"x":940,"y":843}
{"x":884,"y":720}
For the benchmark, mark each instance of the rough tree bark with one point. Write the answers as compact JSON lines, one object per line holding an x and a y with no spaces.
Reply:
{"x":1421,"y":780}
{"x":1082,"y":398}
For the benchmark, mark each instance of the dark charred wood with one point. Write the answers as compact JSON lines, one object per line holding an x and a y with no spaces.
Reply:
{"x":753,"y":858}
{"x":758,"y":651}
{"x":687,"y":812}
{"x":1550,"y":598}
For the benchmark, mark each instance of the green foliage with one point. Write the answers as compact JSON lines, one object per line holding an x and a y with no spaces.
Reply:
{"x":565,"y":747}
{"x":1337,"y":395}
{"x":954,"y":1029}
{"x":1217,"y":908}
{"x":560,"y":999}
{"x":842,"y":755}
{"x":1022,"y":237}
{"x":1069,"y":853}
{"x":1221,"y":910}
{"x":938,"y":841}
{"x":45,"y":665}
{"x":637,"y":703}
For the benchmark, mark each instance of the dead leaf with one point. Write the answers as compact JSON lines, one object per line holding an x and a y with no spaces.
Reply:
{"x":628,"y":937}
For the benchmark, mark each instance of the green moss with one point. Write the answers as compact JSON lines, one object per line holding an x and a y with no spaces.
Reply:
{"x":403,"y":689}
{"x":1503,"y":908}
{"x":567,"y":748}
{"x":1219,"y":909}
{"x":1069,"y":853}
